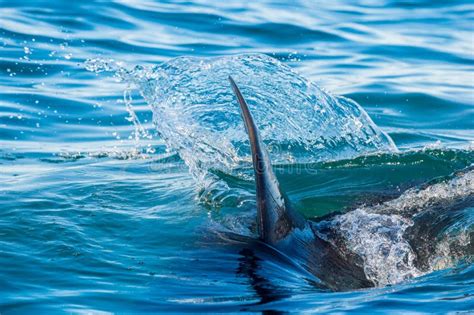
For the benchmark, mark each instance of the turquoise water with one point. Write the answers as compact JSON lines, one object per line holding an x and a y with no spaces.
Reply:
{"x":123,"y":156}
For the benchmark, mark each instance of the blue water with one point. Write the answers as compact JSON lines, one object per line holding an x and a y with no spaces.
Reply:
{"x":122,"y":154}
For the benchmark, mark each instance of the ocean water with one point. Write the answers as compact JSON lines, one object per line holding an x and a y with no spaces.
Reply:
{"x":124,"y":161}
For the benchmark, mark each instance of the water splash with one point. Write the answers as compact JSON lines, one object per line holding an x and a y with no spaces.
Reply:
{"x":379,"y":234}
{"x":196,"y":114}
{"x":379,"y":240}
{"x":139,"y":131}
{"x":416,"y":199}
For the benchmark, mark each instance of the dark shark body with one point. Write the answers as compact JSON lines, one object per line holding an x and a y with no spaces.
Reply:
{"x":284,"y":229}
{"x":321,"y":253}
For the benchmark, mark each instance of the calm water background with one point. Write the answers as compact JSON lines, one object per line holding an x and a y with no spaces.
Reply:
{"x":94,"y":220}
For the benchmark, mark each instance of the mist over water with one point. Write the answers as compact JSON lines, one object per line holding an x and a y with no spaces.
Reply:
{"x":122,"y":152}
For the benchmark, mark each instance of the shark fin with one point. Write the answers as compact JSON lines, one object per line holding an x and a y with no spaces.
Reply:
{"x":275,"y":218}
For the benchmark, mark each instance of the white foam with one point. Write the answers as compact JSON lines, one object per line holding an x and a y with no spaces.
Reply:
{"x":377,"y":234}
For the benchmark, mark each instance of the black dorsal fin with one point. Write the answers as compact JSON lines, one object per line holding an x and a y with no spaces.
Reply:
{"x":275,"y":218}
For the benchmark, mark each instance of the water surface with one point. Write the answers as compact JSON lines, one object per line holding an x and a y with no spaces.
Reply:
{"x":104,"y":212}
